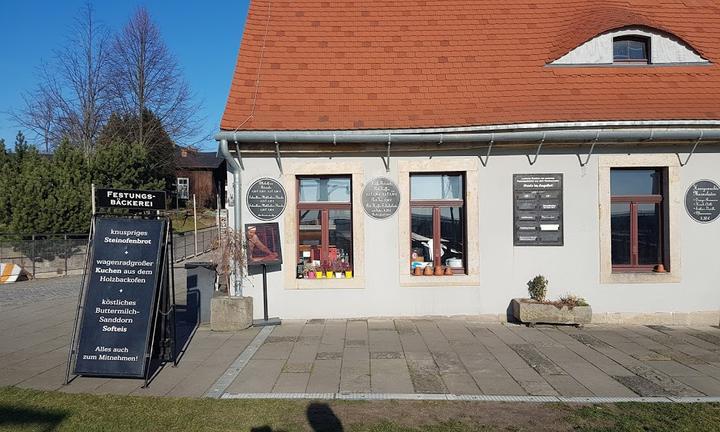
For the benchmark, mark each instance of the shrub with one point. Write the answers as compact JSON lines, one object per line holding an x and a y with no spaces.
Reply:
{"x":571,"y":301}
{"x":537,"y":288}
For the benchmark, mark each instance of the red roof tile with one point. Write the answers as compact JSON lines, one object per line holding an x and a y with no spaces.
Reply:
{"x":371,"y":64}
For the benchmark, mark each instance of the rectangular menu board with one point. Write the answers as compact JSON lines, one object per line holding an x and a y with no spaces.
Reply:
{"x":538,"y":209}
{"x":120,"y":296}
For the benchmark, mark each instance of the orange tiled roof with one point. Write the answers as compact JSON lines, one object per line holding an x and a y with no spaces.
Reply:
{"x":371,"y":64}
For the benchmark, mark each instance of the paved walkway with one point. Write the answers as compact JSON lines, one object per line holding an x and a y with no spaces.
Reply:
{"x":374,"y":357}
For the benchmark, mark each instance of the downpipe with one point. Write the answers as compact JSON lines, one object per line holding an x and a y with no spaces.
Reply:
{"x":237,"y":211}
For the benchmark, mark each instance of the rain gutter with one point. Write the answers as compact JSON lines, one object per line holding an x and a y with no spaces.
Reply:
{"x":640,"y":133}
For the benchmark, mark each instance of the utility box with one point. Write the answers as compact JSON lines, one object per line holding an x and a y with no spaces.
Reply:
{"x":201,"y":278}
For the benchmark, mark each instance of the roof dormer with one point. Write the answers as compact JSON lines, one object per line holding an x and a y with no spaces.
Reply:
{"x":632,"y":46}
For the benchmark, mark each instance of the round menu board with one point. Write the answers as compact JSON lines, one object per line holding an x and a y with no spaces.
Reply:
{"x":702,"y":201}
{"x":381,"y":198}
{"x":266,"y":199}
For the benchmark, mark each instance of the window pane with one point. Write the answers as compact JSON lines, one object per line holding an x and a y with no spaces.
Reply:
{"x":421,"y":225}
{"x":436,"y":186}
{"x":335,"y":189}
{"x":636,"y":50}
{"x":649,"y":242}
{"x":452,"y":235}
{"x":620,"y":50}
{"x":340,"y":230}
{"x":635,"y":181}
{"x":310,"y":234}
{"x":620,"y":228}
{"x":183,"y":187}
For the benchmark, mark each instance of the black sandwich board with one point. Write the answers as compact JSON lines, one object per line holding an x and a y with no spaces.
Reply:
{"x":126,"y":308}
{"x":121,"y":292}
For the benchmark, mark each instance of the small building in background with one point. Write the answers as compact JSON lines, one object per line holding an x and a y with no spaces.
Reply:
{"x":199,"y":173}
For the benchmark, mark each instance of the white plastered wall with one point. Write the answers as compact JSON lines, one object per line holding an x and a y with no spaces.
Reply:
{"x":503,"y":268}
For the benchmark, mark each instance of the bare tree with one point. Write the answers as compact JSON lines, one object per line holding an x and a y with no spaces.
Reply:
{"x":39,"y":115}
{"x":72,"y":97}
{"x":146,"y":77}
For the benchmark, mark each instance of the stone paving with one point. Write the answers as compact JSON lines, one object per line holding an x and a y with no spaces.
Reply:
{"x":22,"y":293}
{"x":456,"y":356}
{"x":459,"y":356}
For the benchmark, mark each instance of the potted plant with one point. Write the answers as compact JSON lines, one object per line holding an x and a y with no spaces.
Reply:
{"x":328,"y":269}
{"x":310,"y":271}
{"x":568,"y":309}
{"x":347,"y":269}
{"x":338,"y":269}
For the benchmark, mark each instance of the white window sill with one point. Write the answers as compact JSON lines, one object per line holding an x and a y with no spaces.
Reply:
{"x":408,"y":280}
{"x":640,"y":277}
{"x":343,"y":283}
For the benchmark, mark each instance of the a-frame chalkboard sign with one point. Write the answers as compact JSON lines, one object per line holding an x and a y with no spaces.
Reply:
{"x":125,"y":320}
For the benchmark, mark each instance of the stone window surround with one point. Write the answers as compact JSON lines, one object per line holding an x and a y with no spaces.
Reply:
{"x":289,"y":179}
{"x":455,"y":164}
{"x":673,"y":196}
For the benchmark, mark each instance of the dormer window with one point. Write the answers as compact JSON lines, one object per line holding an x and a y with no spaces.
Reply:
{"x":631,"y":49}
{"x":634,"y":45}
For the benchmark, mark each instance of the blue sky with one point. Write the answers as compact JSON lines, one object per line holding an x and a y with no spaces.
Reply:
{"x":203,"y":35}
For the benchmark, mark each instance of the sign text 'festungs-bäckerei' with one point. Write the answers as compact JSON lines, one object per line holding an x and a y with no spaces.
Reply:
{"x":119,"y":297}
{"x":137,"y":199}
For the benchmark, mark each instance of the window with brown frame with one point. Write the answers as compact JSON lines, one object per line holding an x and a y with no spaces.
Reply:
{"x":637,"y":219}
{"x":631,"y":49}
{"x":325,"y":241}
{"x":437,"y":220}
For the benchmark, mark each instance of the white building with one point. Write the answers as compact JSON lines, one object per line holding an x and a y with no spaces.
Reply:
{"x":525,"y":138}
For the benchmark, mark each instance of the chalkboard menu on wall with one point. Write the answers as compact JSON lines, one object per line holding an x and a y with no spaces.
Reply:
{"x":266,"y":199}
{"x":702,"y":201}
{"x":538,"y":209}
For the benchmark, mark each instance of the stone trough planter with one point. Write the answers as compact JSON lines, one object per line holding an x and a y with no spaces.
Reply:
{"x":231,"y":313}
{"x":531,"y":312}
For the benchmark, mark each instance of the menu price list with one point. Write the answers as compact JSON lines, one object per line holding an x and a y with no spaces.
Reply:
{"x":266,"y":199}
{"x":538,"y":209}
{"x":119,"y":298}
{"x":702,"y":201}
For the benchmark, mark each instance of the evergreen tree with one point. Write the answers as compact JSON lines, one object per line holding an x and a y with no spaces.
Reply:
{"x":71,"y":176}
{"x":160,"y":148}
{"x":124,"y":166}
{"x":6,"y":186}
{"x":33,"y":201}
{"x":22,"y":147}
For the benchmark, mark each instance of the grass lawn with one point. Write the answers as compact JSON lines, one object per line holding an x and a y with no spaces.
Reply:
{"x":182,"y":221}
{"x":30,"y":410}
